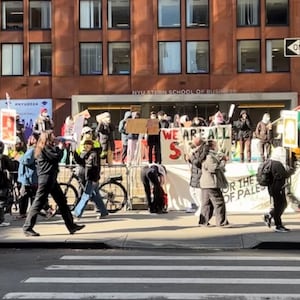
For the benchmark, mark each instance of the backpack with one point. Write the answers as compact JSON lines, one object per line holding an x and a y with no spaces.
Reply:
{"x":264,"y":174}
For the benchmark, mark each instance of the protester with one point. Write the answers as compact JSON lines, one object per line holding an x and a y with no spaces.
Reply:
{"x":6,"y":166}
{"x":89,"y":161}
{"x":43,"y":122}
{"x":132,"y":141}
{"x":264,"y":133}
{"x":47,"y":157}
{"x":280,"y":171}
{"x":154,"y":176}
{"x":153,"y":142}
{"x":124,"y":135}
{"x":244,"y":135}
{"x":105,"y":133}
{"x":211,"y":182}
{"x":197,"y":154}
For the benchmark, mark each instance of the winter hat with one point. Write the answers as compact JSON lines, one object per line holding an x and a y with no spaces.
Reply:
{"x":43,"y":109}
{"x":266,"y":118}
{"x":279,"y":154}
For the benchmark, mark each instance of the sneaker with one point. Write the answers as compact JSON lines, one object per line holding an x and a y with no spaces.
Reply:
{"x":31,"y":232}
{"x":267,"y":220}
{"x":287,"y":229}
{"x":76,"y":228}
{"x":4,"y":224}
{"x":281,"y":229}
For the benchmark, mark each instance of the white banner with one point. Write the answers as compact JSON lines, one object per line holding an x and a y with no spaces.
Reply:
{"x":175,"y":141}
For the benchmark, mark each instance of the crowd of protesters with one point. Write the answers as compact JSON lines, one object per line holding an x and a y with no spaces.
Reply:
{"x":39,"y":158}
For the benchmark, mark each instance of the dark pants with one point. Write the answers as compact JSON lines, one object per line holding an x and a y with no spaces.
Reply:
{"x":157,"y":156}
{"x":245,"y":145}
{"x":150,"y":177}
{"x":264,"y":150}
{"x":213,"y":201}
{"x":279,"y":204}
{"x":45,"y":188}
{"x":27,"y":192}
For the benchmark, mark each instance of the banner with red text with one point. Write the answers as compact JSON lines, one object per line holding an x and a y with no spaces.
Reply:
{"x":175,"y":142}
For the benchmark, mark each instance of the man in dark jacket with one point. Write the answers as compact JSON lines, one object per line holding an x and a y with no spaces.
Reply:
{"x":244,"y":135}
{"x":280,"y":172}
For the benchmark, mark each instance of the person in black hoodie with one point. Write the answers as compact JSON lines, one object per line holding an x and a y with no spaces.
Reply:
{"x":47,"y":157}
{"x":244,"y":135}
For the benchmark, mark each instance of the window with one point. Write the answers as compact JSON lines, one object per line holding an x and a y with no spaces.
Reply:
{"x":168,"y":13}
{"x":197,"y":57}
{"x":12,"y":59}
{"x":275,"y":59}
{"x":277,"y":12}
{"x":119,"y":58}
{"x":169,"y":57}
{"x":40,"y":59}
{"x":90,"y":58}
{"x":40,"y":14}
{"x":118,"y":14}
{"x":248,"y":12}
{"x":12,"y":15}
{"x":249,"y":56}
{"x":196,"y":13}
{"x":90,"y":14}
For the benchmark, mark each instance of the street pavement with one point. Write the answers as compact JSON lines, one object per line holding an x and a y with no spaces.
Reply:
{"x":140,"y":229}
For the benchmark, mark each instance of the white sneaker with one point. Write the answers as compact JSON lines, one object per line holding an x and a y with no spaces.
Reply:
{"x":4,"y":224}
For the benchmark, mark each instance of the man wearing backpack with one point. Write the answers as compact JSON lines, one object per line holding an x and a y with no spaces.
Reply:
{"x":6,"y":165}
{"x":276,"y":188}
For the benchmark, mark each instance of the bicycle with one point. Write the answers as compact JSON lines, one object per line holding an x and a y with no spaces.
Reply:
{"x":112,"y":191}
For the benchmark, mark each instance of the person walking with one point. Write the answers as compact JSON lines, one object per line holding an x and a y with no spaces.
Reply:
{"x":211,"y":182}
{"x":154,"y":175}
{"x":244,"y":135}
{"x":47,"y":157}
{"x":27,"y":177}
{"x":264,"y":133}
{"x":89,"y":161}
{"x":279,"y":173}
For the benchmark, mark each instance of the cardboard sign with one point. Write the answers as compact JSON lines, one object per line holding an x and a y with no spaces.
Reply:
{"x":8,"y":126}
{"x":136,"y":126}
{"x":153,"y":127}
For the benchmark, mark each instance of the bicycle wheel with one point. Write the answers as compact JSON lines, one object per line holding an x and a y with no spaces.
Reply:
{"x":70,"y":192}
{"x":114,"y":195}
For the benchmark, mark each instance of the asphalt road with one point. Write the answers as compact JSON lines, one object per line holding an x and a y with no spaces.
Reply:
{"x":156,"y":274}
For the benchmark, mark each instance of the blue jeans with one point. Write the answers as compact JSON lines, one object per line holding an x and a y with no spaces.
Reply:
{"x":91,"y":192}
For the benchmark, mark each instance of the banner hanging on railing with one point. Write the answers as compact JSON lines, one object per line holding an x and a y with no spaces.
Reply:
{"x":175,"y":142}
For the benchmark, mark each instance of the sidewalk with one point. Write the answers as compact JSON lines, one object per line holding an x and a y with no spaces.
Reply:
{"x":139,"y":229}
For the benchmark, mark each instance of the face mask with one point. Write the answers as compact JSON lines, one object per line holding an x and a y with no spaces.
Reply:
{"x":44,"y":114}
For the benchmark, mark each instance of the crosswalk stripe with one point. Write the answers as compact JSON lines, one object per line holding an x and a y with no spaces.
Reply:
{"x":172,"y":268}
{"x":143,"y":296}
{"x":155,"y":280}
{"x":201,"y":257}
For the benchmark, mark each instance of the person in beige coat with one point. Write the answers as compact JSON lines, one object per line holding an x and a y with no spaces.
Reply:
{"x":211,"y":182}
